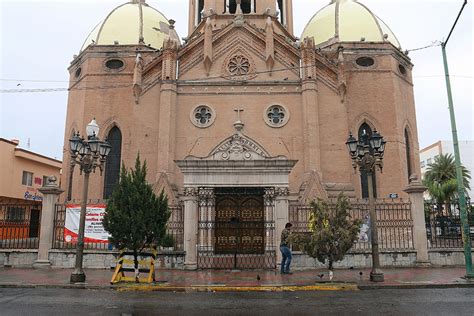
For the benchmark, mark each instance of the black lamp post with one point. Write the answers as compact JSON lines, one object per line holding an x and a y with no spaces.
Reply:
{"x":367,"y":154}
{"x":88,"y":154}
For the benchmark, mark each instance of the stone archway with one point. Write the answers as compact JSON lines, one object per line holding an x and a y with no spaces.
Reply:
{"x":238,"y":162}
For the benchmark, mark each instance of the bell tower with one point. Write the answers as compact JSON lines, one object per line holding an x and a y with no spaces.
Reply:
{"x":283,"y":9}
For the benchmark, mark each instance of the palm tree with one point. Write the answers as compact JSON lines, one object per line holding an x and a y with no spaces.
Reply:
{"x":440,"y":179}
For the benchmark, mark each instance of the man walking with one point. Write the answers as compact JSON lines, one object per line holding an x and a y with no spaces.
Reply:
{"x":285,"y":249}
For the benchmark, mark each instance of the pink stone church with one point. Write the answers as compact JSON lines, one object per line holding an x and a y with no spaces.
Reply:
{"x":242,"y":117}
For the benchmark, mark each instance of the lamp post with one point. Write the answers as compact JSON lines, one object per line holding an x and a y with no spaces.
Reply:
{"x":457,"y":159}
{"x":88,"y":154}
{"x":367,"y":154}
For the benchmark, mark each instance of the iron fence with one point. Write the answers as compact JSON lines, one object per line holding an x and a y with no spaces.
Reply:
{"x":175,"y":229}
{"x":394,"y":223}
{"x":176,"y":226}
{"x":20,"y":225}
{"x":443,"y":225}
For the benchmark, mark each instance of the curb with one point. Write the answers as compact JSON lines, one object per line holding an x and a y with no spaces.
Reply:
{"x":364,"y":287}
{"x":207,"y":288}
{"x":54,"y":286}
{"x":269,"y":288}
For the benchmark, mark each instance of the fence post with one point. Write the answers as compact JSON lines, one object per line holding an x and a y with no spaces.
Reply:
{"x":50,"y":191}
{"x":415,"y":191}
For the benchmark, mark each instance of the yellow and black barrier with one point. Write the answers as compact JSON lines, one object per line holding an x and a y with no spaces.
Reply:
{"x":145,"y":265}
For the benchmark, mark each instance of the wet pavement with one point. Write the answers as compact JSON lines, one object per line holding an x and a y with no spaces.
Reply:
{"x":401,"y":278}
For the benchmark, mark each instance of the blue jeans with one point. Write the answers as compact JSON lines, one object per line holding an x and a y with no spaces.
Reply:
{"x":286,"y":259}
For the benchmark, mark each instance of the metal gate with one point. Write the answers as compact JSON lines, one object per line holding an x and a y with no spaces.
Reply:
{"x":236,"y":231}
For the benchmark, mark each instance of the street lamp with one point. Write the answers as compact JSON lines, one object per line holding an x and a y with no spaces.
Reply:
{"x":367,"y":154}
{"x":88,"y":154}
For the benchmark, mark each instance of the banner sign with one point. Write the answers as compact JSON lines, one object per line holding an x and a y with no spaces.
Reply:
{"x":94,"y":231}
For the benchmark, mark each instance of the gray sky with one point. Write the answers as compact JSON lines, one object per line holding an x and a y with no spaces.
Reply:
{"x":38,"y":39}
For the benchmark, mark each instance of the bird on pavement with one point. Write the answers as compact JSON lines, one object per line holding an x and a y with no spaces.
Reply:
{"x":258,"y":277}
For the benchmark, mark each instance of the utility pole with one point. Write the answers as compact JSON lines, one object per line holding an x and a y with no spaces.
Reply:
{"x":461,"y":190}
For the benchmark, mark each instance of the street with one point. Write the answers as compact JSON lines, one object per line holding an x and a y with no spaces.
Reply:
{"x":43,"y":301}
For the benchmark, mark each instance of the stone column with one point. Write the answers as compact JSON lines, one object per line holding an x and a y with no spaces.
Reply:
{"x":415,"y":191}
{"x":51,"y":192}
{"x":281,"y":216}
{"x":190,"y":227}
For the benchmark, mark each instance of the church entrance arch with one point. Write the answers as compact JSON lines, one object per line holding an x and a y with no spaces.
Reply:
{"x":235,"y":200}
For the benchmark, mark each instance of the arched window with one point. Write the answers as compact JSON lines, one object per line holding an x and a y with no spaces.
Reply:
{"x":112,"y":165}
{"x":364,"y":183}
{"x":71,"y":174}
{"x":281,"y":8}
{"x":408,"y":153}
{"x":199,"y":8}
{"x":248,"y":6}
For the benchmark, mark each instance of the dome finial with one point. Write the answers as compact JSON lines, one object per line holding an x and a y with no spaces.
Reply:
{"x":138,"y":1}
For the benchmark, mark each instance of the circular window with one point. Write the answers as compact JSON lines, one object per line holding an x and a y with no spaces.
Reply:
{"x":402,"y":69}
{"x":239,"y":66}
{"x":365,"y":61}
{"x":78,"y":72}
{"x":114,"y":64}
{"x":276,"y":116}
{"x":203,"y":116}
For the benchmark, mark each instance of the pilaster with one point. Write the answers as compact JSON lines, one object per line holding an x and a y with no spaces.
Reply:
{"x":51,"y":192}
{"x":190,"y":199}
{"x":415,"y":191}
{"x":281,"y":215}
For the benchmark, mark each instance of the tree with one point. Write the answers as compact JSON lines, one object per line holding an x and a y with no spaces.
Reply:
{"x":332,"y":232}
{"x":135,"y":217}
{"x":440,"y":179}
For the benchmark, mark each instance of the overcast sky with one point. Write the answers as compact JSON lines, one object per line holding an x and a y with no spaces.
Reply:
{"x":38,"y":39}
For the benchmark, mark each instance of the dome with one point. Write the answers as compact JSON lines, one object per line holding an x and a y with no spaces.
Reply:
{"x":132,"y":23}
{"x":348,"y":21}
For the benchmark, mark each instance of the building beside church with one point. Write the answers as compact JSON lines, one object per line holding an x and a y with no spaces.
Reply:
{"x":242,"y":118}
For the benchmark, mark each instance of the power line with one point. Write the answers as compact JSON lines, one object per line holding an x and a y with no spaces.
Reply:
{"x":200,"y":80}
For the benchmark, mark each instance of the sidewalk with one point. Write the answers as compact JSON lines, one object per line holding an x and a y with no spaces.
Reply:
{"x":225,"y":280}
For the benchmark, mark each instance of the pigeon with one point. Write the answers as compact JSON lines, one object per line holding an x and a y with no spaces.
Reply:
{"x":321,"y":275}
{"x":351,"y":268}
{"x":18,"y":85}
{"x":258,"y":277}
{"x":361,"y":273}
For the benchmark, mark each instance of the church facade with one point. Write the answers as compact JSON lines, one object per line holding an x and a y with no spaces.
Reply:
{"x":242,"y":118}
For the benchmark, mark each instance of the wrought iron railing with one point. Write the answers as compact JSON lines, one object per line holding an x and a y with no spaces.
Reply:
{"x":394,"y":223}
{"x":443,"y":225}
{"x":20,"y":225}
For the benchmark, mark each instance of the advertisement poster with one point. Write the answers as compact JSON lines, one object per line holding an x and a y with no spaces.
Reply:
{"x":94,"y":231}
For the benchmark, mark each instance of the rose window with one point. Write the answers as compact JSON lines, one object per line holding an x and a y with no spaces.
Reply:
{"x":276,"y":116}
{"x":202,"y":116}
{"x":239,"y":66}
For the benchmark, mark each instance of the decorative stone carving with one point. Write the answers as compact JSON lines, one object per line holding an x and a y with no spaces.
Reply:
{"x":238,"y":147}
{"x":282,"y":191}
{"x":239,"y":65}
{"x":191,"y":191}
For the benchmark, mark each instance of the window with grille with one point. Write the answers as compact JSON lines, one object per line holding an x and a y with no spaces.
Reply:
{"x":112,"y":164}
